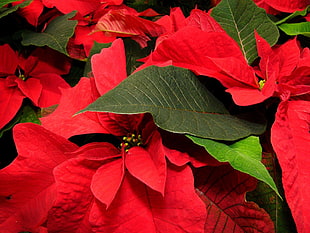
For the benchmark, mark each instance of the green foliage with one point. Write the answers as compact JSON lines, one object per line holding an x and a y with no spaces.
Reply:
{"x":293,"y":15}
{"x":244,"y":155}
{"x":4,"y":11}
{"x":55,"y":36}
{"x":240,"y":19}
{"x":178,"y":102}
{"x":293,"y":29}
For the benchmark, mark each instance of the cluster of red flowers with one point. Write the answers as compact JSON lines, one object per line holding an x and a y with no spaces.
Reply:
{"x":147,"y":179}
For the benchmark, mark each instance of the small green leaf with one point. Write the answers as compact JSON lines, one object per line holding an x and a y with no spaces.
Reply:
{"x":293,"y":15}
{"x":29,"y":115}
{"x":244,"y":155}
{"x":240,"y":18}
{"x":4,"y":11}
{"x":95,"y":49}
{"x":178,"y":102}
{"x":293,"y":29}
{"x":56,"y":34}
{"x":5,"y":2}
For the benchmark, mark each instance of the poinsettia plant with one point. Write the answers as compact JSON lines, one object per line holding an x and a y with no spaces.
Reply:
{"x":156,"y":116}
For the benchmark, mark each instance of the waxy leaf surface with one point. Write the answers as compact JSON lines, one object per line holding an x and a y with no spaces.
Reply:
{"x":239,"y":19}
{"x":56,"y":35}
{"x":244,"y":155}
{"x":178,"y":102}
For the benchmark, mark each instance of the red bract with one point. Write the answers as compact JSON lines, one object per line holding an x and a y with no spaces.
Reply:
{"x":290,"y":139}
{"x":124,"y":23}
{"x":31,"y":12}
{"x":36,"y":77}
{"x":83,"y":7}
{"x":135,"y":207}
{"x":223,"y":190}
{"x":287,"y":5}
{"x":27,"y":187}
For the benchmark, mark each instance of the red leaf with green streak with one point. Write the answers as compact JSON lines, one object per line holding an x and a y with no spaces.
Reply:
{"x":223,"y":190}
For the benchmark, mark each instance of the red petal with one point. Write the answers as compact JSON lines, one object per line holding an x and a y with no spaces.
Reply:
{"x":27,"y":188}
{"x":31,"y":88}
{"x":223,"y":190}
{"x":107,"y":181}
{"x":118,"y":23}
{"x":31,"y":12}
{"x":289,"y":55}
{"x":70,"y":212}
{"x":246,"y":96}
{"x":180,"y":210}
{"x":62,"y":121}
{"x":83,"y":7}
{"x":8,"y":60}
{"x":51,"y":89}
{"x":148,"y":166}
{"x":290,"y":139}
{"x":288,"y":5}
{"x":196,"y":46}
{"x":11,"y":100}
{"x":109,"y":67}
{"x":238,"y":72}
{"x":204,"y":21}
{"x":100,"y":151}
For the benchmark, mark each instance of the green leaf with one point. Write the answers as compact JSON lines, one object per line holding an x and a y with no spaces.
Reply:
{"x":4,"y":11}
{"x":5,"y":2}
{"x":56,"y":34}
{"x":293,"y":15}
{"x":244,"y":155}
{"x":178,"y":102}
{"x":134,"y":52}
{"x":294,"y":29}
{"x":97,"y":47}
{"x":239,"y":18}
{"x":267,"y":199}
{"x":29,"y":115}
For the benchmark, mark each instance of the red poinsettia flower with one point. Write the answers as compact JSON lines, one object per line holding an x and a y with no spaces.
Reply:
{"x":283,"y":72}
{"x":54,"y":183}
{"x":213,"y":53}
{"x":36,"y":77}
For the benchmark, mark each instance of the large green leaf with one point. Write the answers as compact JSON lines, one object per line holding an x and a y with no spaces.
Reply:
{"x":240,"y":18}
{"x":56,"y":34}
{"x":178,"y":102}
{"x":4,"y":11}
{"x":294,"y":29}
{"x":244,"y":155}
